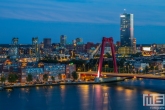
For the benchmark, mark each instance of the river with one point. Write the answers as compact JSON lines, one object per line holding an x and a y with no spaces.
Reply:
{"x":125,"y":95}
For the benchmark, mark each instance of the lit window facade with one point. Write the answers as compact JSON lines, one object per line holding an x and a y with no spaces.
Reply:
{"x":63,"y":39}
{"x":126,"y":30}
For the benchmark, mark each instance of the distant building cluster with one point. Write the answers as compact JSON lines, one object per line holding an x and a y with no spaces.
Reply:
{"x":25,"y":58}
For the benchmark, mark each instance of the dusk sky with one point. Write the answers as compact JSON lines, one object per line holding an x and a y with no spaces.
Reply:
{"x":88,"y":19}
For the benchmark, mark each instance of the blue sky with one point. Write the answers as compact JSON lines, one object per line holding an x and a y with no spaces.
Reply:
{"x":89,"y":19}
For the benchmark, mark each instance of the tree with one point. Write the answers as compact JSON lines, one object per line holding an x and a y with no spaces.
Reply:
{"x":75,"y":75}
{"x":2,"y":79}
{"x":8,"y":57}
{"x":12,"y":78}
{"x":143,"y":71}
{"x":108,"y":55}
{"x":52,"y":78}
{"x":121,"y":62}
{"x":137,"y":71}
{"x":146,"y":69}
{"x":29,"y":78}
{"x":156,"y":67}
{"x":152,"y":68}
{"x":137,"y":54}
{"x":45,"y":77}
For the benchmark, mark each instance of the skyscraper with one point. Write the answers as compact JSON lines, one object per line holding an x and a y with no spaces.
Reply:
{"x":126,"y":30}
{"x":63,"y":40}
{"x":126,"y":34}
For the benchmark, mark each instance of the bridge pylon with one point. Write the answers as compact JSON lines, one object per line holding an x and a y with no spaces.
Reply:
{"x":104,"y":40}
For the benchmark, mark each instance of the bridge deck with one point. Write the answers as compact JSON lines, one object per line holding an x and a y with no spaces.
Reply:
{"x":146,"y":76}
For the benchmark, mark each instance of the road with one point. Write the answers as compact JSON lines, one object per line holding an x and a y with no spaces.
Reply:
{"x":146,"y":76}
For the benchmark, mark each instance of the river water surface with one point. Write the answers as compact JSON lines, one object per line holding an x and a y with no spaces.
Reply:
{"x":125,"y":95}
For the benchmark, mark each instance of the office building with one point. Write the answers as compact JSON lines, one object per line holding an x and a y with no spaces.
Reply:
{"x":47,"y":42}
{"x":126,"y":30}
{"x":127,"y":34}
{"x":63,"y":39}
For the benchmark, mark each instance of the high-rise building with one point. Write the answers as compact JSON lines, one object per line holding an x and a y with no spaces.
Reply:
{"x":126,"y":30}
{"x":126,"y":34}
{"x":35,"y":48}
{"x":63,"y":39}
{"x":47,"y":42}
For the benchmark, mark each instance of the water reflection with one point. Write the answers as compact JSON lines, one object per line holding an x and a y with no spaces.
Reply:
{"x":63,"y":94}
{"x":62,"y":87}
{"x":97,"y":97}
{"x":128,"y":92}
{"x":51,"y":87}
{"x":126,"y":95}
{"x":120,"y":88}
{"x":37,"y":88}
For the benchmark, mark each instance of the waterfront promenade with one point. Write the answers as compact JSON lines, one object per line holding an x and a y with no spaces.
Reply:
{"x":58,"y":84}
{"x":107,"y":75}
{"x":52,"y":84}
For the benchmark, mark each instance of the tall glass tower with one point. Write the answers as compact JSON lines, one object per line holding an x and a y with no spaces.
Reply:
{"x":63,"y":40}
{"x":126,"y":30}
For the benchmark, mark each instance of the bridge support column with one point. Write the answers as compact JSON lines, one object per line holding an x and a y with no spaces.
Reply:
{"x":97,"y":79}
{"x":110,"y":40}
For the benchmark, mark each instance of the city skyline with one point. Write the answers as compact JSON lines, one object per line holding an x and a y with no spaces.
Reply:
{"x":90,"y":20}
{"x":120,"y":68}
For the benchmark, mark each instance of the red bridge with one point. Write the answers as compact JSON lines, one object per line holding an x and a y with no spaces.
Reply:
{"x":116,"y":74}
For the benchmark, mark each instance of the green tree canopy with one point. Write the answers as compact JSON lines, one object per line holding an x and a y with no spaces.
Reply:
{"x":29,"y":78}
{"x":52,"y":78}
{"x":156,"y":67}
{"x":151,"y":67}
{"x":2,"y":79}
{"x":146,"y":69}
{"x":45,"y":77}
{"x":108,"y":55}
{"x":75,"y":75}
{"x":138,"y":54}
{"x":12,"y":77}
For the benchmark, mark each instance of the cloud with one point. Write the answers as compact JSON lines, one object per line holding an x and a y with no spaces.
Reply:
{"x":88,"y":11}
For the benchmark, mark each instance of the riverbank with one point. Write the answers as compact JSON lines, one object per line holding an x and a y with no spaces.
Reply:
{"x":58,"y":84}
